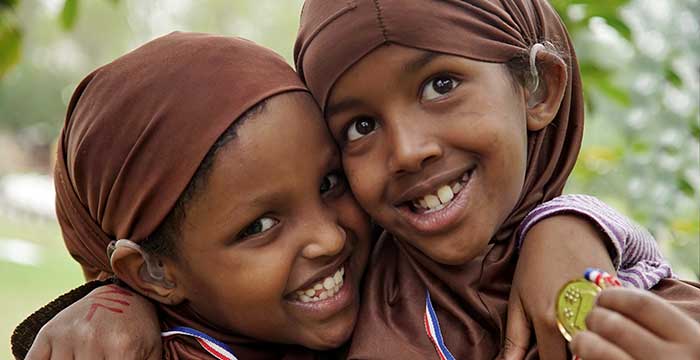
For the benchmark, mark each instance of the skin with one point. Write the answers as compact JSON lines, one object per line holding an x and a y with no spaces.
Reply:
{"x":418,"y":139}
{"x":243,"y":254}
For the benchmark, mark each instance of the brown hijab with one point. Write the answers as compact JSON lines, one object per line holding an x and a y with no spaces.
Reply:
{"x":470,"y":300}
{"x":135,"y":133}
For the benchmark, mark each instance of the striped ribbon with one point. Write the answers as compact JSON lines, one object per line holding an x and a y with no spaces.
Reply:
{"x":214,"y":347}
{"x":601,"y":278}
{"x":432,"y":327}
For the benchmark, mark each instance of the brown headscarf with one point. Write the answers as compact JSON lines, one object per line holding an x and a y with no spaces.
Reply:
{"x":470,"y":300}
{"x":135,"y":133}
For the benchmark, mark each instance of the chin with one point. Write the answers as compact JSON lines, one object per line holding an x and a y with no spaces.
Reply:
{"x":332,"y":338}
{"x":334,"y":334}
{"x":452,"y":252}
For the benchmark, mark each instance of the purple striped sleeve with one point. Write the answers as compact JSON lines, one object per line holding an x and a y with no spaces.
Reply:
{"x":636,"y":256}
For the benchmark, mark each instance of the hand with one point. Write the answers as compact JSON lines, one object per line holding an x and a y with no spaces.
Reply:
{"x":109,"y":323}
{"x":555,"y":251}
{"x":617,"y":329}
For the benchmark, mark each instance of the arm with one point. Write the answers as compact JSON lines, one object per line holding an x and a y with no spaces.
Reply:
{"x":633,"y":250}
{"x":560,"y":239}
{"x":109,"y":322}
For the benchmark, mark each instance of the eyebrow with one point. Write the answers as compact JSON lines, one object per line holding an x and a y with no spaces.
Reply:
{"x":420,"y":61}
{"x":333,"y":109}
{"x":414,"y":65}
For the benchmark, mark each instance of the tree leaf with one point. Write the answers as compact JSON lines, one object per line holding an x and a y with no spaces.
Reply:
{"x":684,"y":186}
{"x":695,"y":130}
{"x":10,"y":46}
{"x":616,"y":23}
{"x":672,"y":77}
{"x":8,"y":3}
{"x":69,"y":14}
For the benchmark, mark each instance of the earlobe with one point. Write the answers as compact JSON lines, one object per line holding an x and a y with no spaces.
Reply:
{"x":544,"y":101}
{"x":130,"y":266}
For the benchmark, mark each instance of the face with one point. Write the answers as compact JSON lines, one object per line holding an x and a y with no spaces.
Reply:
{"x":434,"y":146}
{"x":275,"y":244}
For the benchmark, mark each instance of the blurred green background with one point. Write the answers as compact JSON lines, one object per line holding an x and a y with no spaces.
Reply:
{"x":641,"y":153}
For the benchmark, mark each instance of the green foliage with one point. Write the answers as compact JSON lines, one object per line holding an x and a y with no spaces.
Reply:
{"x":69,"y":14}
{"x":10,"y":43}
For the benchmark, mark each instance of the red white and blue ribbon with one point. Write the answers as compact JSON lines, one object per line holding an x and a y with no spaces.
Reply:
{"x":214,"y":347}
{"x":432,"y":327}
{"x":601,"y":278}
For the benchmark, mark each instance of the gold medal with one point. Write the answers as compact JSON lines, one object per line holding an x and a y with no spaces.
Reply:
{"x":574,"y":301}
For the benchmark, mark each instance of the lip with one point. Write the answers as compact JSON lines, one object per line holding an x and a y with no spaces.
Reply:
{"x":327,"y":270}
{"x":445,"y":218}
{"x":430,"y":185}
{"x":324,"y":309}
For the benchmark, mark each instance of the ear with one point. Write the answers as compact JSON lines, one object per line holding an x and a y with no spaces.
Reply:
{"x":129,"y":266}
{"x":543,"y":102}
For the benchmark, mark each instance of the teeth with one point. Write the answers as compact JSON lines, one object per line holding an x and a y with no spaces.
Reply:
{"x":328,"y":283}
{"x":432,"y":201}
{"x":324,"y":289}
{"x":445,"y":194}
{"x":337,"y":278}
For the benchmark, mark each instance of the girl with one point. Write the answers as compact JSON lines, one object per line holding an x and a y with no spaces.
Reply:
{"x":564,"y":206}
{"x":455,"y":120}
{"x":170,"y":176}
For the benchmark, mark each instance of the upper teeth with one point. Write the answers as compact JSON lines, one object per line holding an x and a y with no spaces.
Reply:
{"x":438,"y":200}
{"x":324,"y":289}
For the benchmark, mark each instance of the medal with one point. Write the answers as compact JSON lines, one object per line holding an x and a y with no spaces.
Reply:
{"x":577,"y":298}
{"x":574,"y":301}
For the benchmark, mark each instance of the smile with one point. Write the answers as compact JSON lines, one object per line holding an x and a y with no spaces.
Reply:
{"x":440,"y":208}
{"x":323,"y":289}
{"x":442,"y":197}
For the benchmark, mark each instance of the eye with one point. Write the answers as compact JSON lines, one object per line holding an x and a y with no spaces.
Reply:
{"x":360,"y":127}
{"x":260,"y":225}
{"x":330,"y":182}
{"x":438,"y":87}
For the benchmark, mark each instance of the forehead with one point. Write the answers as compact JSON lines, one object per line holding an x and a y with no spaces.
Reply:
{"x":289,"y":136}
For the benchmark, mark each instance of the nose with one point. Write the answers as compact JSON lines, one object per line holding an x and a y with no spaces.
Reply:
{"x":326,"y":238}
{"x":412,"y":147}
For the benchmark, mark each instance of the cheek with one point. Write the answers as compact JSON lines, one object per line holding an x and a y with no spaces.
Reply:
{"x":365,"y":179}
{"x":236,"y":291}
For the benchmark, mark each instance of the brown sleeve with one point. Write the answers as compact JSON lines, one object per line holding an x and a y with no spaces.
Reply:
{"x":24,"y":334}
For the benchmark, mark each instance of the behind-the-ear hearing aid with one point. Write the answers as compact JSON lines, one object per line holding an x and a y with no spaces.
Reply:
{"x":534,"y":74}
{"x":154,"y":268}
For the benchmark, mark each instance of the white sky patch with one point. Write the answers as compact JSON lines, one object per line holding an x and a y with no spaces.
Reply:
{"x":29,"y":192}
{"x":20,"y":252}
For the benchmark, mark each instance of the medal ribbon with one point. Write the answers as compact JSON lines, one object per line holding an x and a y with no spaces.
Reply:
{"x":432,"y":327}
{"x":214,"y":347}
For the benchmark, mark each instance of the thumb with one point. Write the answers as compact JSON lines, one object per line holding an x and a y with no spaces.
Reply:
{"x":40,"y":350}
{"x":518,"y":330}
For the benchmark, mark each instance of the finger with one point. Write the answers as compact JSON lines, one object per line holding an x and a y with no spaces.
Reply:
{"x":550,"y":342}
{"x":625,"y":334}
{"x":40,"y":350}
{"x":590,"y":346}
{"x":61,"y":353}
{"x":518,"y":331}
{"x":658,"y":316}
